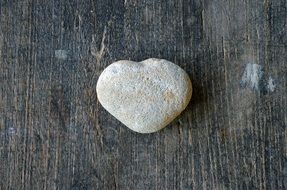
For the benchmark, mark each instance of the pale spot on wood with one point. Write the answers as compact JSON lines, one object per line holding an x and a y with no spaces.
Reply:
{"x":252,"y":76}
{"x":271,"y":84}
{"x":61,"y":54}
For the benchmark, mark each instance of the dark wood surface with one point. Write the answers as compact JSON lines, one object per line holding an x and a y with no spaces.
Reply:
{"x":54,"y":134}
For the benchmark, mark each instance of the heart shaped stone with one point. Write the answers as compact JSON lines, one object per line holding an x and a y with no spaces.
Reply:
{"x":145,"y":96}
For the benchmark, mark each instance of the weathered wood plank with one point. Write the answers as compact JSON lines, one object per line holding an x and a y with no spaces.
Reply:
{"x":55,"y":135}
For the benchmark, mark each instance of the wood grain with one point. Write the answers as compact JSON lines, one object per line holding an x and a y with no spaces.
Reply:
{"x":55,"y":135}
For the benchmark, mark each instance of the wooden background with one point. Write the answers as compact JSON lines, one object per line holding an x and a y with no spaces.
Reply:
{"x":54,"y":134}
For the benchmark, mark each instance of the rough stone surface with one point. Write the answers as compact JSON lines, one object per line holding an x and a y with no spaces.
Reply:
{"x":145,"y":96}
